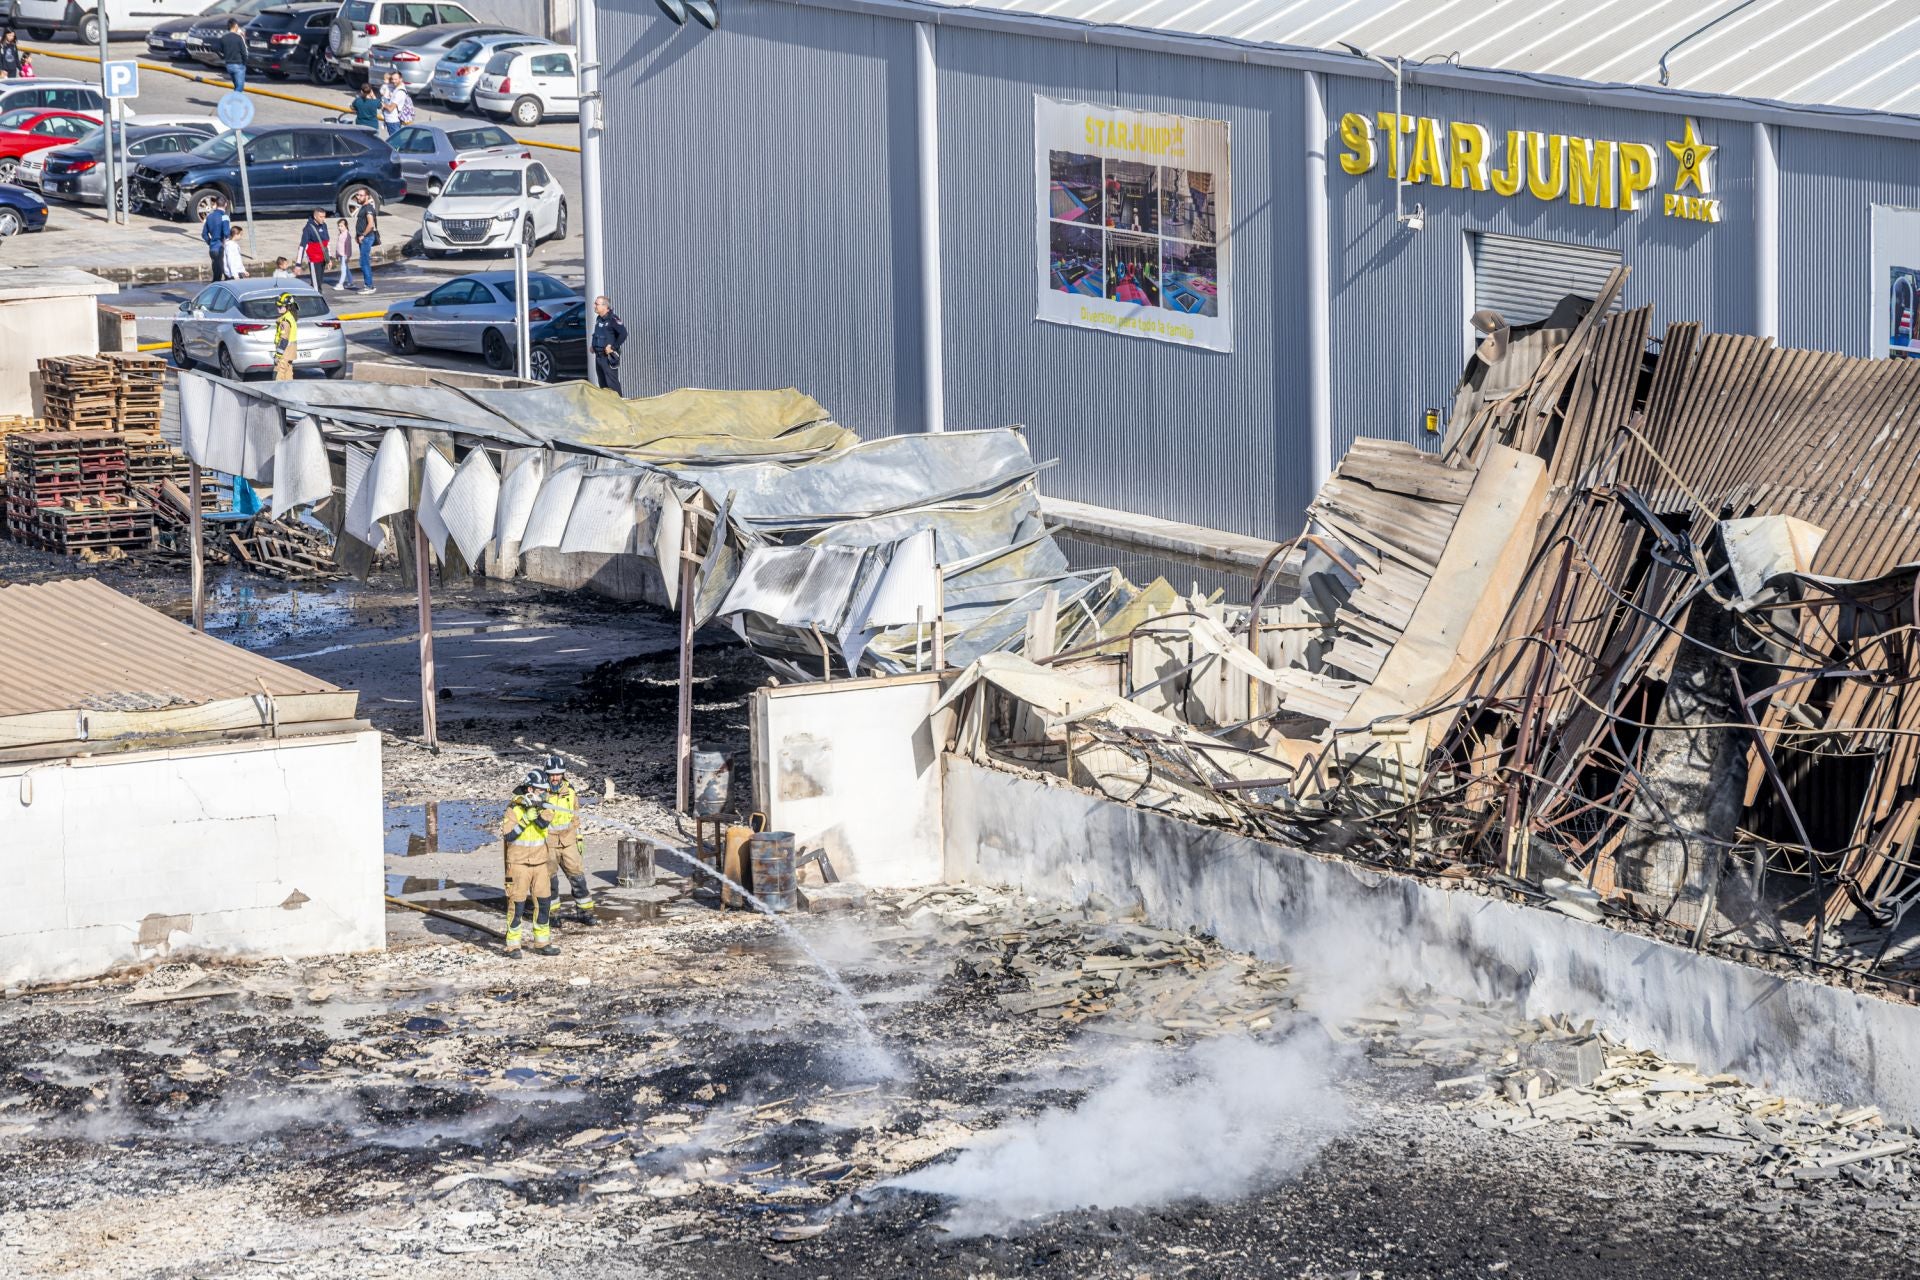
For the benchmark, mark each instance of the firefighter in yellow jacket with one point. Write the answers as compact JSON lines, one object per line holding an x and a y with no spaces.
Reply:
{"x":563,"y":837}
{"x":286,"y":338}
{"x":529,"y":896}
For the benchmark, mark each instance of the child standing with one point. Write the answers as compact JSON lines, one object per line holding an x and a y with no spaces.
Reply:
{"x":341,"y":247}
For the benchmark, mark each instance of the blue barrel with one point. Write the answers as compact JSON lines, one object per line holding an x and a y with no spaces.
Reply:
{"x":771,"y":855}
{"x":712,"y":781}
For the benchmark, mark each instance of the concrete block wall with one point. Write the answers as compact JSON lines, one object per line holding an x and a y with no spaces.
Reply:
{"x":244,"y":849}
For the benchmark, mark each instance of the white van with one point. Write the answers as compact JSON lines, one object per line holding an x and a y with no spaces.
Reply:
{"x":39,"y":19}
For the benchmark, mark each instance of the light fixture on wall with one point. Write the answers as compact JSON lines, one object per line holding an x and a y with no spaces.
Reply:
{"x":704,"y":12}
{"x":675,"y":11}
{"x":1397,"y":68}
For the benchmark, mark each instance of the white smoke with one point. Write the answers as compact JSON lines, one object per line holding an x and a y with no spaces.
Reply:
{"x":1212,"y":1123}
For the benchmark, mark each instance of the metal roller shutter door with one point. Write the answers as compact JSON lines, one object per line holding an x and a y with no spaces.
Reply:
{"x":1524,"y":279}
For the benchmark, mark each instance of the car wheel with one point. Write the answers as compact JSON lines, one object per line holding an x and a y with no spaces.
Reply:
{"x":40,"y":33}
{"x":528,"y":236}
{"x":560,"y":223}
{"x":541,"y":365}
{"x":350,"y":196}
{"x":201,"y":203}
{"x":400,"y":338}
{"x":494,"y":347}
{"x":7,"y":165}
{"x":434,"y":186}
{"x":336,"y":373}
{"x":527,"y":112}
{"x":89,"y":29}
{"x":181,"y":360}
{"x":227,"y":369}
{"x":11,"y":223}
{"x":325,"y":71}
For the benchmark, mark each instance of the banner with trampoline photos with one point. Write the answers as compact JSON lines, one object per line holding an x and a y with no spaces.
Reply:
{"x":1135,"y":210}
{"x":1894,"y":300}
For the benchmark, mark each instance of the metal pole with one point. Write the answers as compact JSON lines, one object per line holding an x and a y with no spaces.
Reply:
{"x":1319,"y":250}
{"x":246,"y":188}
{"x":195,"y":530}
{"x":586,"y":22}
{"x":927,"y":115}
{"x":124,"y":192}
{"x":107,"y":116}
{"x":522,"y":329}
{"x":429,"y":689}
{"x":683,"y":740}
{"x":1766,"y":231}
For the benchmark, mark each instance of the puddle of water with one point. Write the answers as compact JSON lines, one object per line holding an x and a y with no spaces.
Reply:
{"x":440,"y":826}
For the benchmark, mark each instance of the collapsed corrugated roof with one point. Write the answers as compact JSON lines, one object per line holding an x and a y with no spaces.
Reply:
{"x":81,"y":645}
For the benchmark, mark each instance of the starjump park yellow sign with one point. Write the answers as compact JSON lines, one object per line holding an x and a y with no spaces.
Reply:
{"x":1597,"y":173}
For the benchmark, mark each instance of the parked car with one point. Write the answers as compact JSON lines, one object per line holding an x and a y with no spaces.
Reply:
{"x":53,"y":95}
{"x":28,"y":168}
{"x":41,"y":18}
{"x":415,"y":54}
{"x":291,"y":40}
{"x":26,"y":129}
{"x":492,"y":204}
{"x":528,"y":85}
{"x":428,"y":153}
{"x":169,"y":39}
{"x":459,"y":69}
{"x":230,"y":326}
{"x":559,"y":345}
{"x":362,"y":24}
{"x":290,"y":167}
{"x":203,"y":37}
{"x":78,"y":173}
{"x":475,"y":313}
{"x":20,"y":210}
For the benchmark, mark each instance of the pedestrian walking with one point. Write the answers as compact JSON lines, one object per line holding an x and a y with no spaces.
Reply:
{"x":233,"y":55}
{"x":286,"y":338}
{"x":341,"y":247}
{"x":366,"y":108}
{"x":529,"y":891}
{"x":217,"y":231}
{"x":563,"y":840}
{"x":396,"y":104}
{"x":313,"y":247}
{"x":236,"y":261}
{"x":11,"y":54}
{"x":609,"y":335}
{"x":366,"y":233}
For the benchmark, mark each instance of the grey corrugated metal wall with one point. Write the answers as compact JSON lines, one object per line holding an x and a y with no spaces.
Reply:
{"x":1399,"y":310}
{"x":761,"y":208}
{"x":1212,"y":438}
{"x":1829,"y":183}
{"x":529,"y":16}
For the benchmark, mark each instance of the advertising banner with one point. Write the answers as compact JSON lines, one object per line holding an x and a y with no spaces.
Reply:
{"x":1894,"y":292}
{"x":1134,"y":212}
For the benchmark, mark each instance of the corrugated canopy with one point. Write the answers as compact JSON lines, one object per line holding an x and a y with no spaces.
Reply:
{"x":1860,"y":54}
{"x":82,"y":645}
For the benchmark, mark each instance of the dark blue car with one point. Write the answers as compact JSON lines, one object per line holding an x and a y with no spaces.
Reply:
{"x":20,"y":210}
{"x":291,"y":168}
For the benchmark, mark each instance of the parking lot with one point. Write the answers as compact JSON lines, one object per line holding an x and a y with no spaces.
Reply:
{"x":146,"y":250}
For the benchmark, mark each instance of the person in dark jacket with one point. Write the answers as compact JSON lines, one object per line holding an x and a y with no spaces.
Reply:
{"x":10,"y":54}
{"x":609,"y":335}
{"x":216,"y":230}
{"x":233,"y":55}
{"x":366,"y":234}
{"x":314,"y":238}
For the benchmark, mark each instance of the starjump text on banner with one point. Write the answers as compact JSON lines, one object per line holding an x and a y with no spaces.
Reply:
{"x":1135,"y":219}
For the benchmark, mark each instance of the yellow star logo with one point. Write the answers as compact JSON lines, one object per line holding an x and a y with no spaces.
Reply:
{"x":1692,"y":155}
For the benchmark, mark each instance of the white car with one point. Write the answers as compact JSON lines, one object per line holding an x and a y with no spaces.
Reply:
{"x":492,"y":204}
{"x":528,"y":85}
{"x":183,"y":118}
{"x":39,"y":19}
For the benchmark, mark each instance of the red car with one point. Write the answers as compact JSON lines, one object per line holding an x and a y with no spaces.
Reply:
{"x":25,"y":129}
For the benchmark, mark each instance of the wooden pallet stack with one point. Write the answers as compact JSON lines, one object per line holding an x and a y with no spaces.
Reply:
{"x":68,"y":491}
{"x":81,"y":393}
{"x":140,"y":381}
{"x":11,"y":424}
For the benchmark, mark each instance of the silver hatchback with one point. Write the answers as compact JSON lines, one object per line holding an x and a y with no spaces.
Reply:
{"x":230,"y":326}
{"x":414,"y":55}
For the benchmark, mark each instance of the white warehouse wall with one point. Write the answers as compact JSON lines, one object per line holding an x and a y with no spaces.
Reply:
{"x":266,"y":848}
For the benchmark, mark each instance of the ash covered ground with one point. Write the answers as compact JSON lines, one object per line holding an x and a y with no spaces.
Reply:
{"x":1045,"y":1091}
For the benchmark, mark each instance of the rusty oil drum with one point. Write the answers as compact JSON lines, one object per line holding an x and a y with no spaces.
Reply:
{"x":770,"y":853}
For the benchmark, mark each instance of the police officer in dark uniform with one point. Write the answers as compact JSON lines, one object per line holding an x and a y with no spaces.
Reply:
{"x":609,"y":335}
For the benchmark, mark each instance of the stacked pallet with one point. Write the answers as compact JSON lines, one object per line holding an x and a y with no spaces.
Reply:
{"x":151,"y":460}
{"x":141,"y":380}
{"x":283,"y":549}
{"x":82,"y":393}
{"x":67,"y":491}
{"x":11,"y":424}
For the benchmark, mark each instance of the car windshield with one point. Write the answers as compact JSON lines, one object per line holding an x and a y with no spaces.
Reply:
{"x":483,"y":182}
{"x":305,"y":305}
{"x":464,"y":51}
{"x":539,"y":288}
{"x":500,"y":63}
{"x":357,"y":10}
{"x":474,"y":139}
{"x":218,"y":150}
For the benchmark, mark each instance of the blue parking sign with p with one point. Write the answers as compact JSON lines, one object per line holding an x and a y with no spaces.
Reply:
{"x":122,"y":79}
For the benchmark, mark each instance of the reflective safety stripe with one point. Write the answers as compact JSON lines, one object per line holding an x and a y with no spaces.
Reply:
{"x":542,"y":934}
{"x":585,"y":904}
{"x":562,"y":802}
{"x":285,"y":329}
{"x":513,"y":936}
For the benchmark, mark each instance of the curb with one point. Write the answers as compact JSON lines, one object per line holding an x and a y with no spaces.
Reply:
{"x":383,"y":255}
